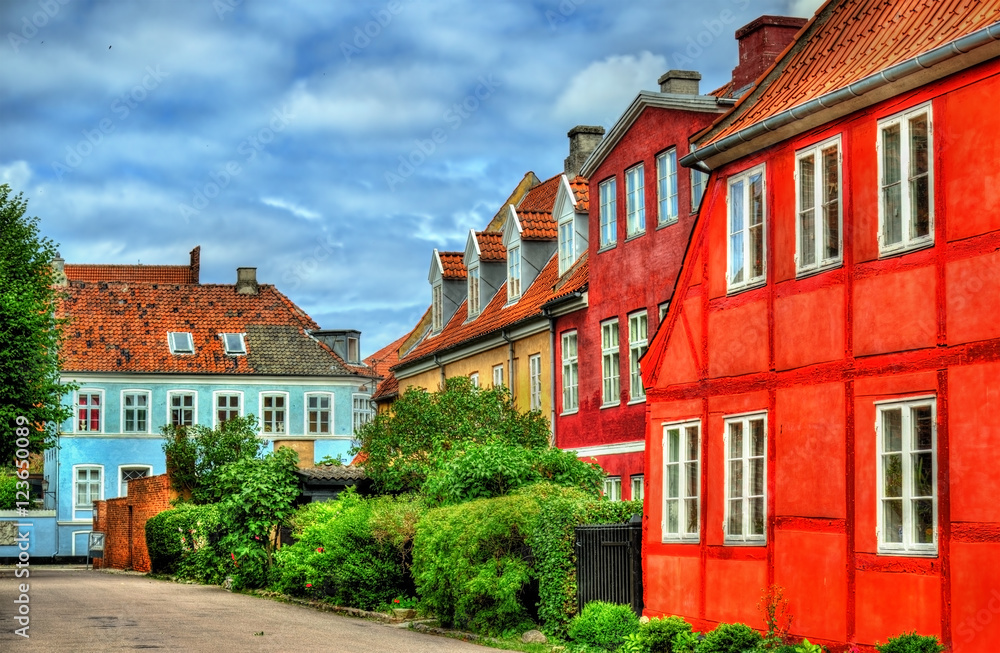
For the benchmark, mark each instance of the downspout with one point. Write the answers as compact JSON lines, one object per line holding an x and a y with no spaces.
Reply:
{"x":441,"y":367}
{"x":510,"y":361}
{"x":552,"y":378}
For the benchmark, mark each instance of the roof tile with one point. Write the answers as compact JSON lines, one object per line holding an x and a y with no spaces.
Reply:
{"x":452,"y":265}
{"x":491,"y":246}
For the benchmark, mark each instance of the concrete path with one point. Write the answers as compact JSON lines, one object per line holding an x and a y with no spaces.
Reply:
{"x":72,"y":609}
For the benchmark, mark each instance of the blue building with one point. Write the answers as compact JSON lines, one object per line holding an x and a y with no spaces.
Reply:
{"x":150,"y":346}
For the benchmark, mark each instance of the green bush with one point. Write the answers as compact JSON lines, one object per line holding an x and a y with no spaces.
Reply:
{"x":686,"y":642}
{"x":184,"y":541}
{"x":910,"y":643}
{"x":8,"y":492}
{"x":603,"y":626}
{"x":730,"y":638}
{"x":197,"y":454}
{"x":658,"y":634}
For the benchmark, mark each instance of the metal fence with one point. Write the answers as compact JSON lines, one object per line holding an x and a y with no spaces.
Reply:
{"x":609,"y":564}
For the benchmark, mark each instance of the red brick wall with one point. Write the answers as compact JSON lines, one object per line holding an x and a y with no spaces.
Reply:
{"x":123,"y":521}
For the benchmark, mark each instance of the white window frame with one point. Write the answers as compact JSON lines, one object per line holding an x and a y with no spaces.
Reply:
{"x":612,"y":488}
{"x":607,"y":211}
{"x":638,"y":487}
{"x":182,"y":393}
{"x":635,"y":201}
{"x":353,"y":349}
{"x":498,"y":375}
{"x":667,"y":193}
{"x":683,"y":494}
{"x":744,"y":538}
{"x":273,"y":394}
{"x":567,"y":243}
{"x":514,"y":272}
{"x":473,"y":284}
{"x":610,"y":363}
{"x":361,"y":413}
{"x":76,"y":481}
{"x":123,"y":468}
{"x":638,"y":343}
{"x":745,"y":178}
{"x":699,"y":183}
{"x":89,"y":392}
{"x":135,"y":392}
{"x":570,"y":372}
{"x":174,"y":340}
{"x":908,"y":241}
{"x":474,"y":378}
{"x":318,"y":410}
{"x":819,"y":208}
{"x":535,"y":381}
{"x":229,"y":340}
{"x":908,"y":547}
{"x":437,"y":307}
{"x":215,"y":404}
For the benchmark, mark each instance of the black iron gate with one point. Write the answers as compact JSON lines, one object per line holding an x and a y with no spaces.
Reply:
{"x":609,"y":564}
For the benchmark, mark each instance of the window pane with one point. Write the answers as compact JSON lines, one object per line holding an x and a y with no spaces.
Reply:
{"x":672,"y":516}
{"x":757,"y":437}
{"x":923,"y":521}
{"x":757,"y":516}
{"x":735,"y":479}
{"x":736,"y":235}
{"x":807,"y":238}
{"x":735,"y":440}
{"x":923,"y":425}
{"x":673,"y":445}
{"x":831,"y":204}
{"x":892,"y":518}
{"x":892,"y":427}
{"x":756,"y":226}
{"x":892,"y":475}
{"x":919,"y":159}
{"x":923,"y":474}
{"x":735,"y":525}
{"x":691,"y":488}
{"x":673,"y":482}
{"x":891,"y":188}
{"x":757,"y":477}
{"x":692,"y":443}
{"x":920,"y":216}
{"x":691,"y":506}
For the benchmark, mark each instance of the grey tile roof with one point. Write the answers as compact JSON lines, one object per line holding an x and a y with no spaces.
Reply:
{"x":280,"y":349}
{"x":334,"y":473}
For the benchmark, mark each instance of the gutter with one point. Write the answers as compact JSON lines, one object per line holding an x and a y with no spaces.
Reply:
{"x":510,"y":361}
{"x":861,"y":87}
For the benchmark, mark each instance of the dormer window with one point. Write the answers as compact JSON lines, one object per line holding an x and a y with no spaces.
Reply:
{"x":353,"y":350}
{"x":474,"y":303}
{"x":567,"y":245}
{"x":180,"y":342}
{"x":437,"y":308}
{"x":513,"y":272}
{"x":233,"y":344}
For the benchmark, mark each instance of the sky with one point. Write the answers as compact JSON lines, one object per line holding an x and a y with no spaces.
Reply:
{"x":330,"y":144}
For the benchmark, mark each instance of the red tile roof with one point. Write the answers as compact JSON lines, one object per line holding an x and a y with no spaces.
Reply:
{"x":384,"y":358}
{"x":452,"y":265}
{"x":581,"y":192}
{"x":130,"y":273}
{"x":535,"y":211}
{"x":491,"y":246}
{"x":541,"y":197}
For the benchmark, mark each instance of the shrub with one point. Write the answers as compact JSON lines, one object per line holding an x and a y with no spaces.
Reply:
{"x":603,"y":626}
{"x":730,"y":638}
{"x":686,"y":642}
{"x":197,"y":454}
{"x":8,"y":492}
{"x":658,"y":634}
{"x":183,"y":541}
{"x":910,"y":643}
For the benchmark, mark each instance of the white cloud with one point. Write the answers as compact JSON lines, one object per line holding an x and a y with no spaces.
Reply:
{"x":292,"y":208}
{"x":17,"y":174}
{"x":604,"y":88}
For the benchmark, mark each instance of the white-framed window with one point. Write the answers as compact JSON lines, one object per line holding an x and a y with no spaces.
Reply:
{"x":498,"y":376}
{"x":608,"y":215}
{"x":681,"y":481}
{"x":513,"y":272}
{"x":180,"y":342}
{"x":818,"y":206}
{"x":233,"y":344}
{"x":474,"y":378}
{"x":182,"y":407}
{"x":319,"y":413}
{"x":228,"y":405}
{"x":638,"y":488}
{"x":666,"y":186}
{"x":353,"y":349}
{"x":663,"y":308}
{"x":746,"y":479}
{"x":473,"y":280}
{"x":128,"y":473}
{"x":535,"y":381}
{"x":613,"y":488}
{"x":635,"y":201}
{"x":637,"y":344}
{"x":699,"y":180}
{"x":437,"y":308}
{"x":570,"y":373}
{"x":906,"y":180}
{"x":88,"y":485}
{"x":567,"y":243}
{"x":361,"y":411}
{"x":907,"y":476}
{"x":135,"y":411}
{"x":611,"y":390}
{"x":274,"y":412}
{"x":747,"y":230}
{"x":89,"y":411}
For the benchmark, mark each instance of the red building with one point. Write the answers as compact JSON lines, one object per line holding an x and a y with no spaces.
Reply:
{"x":821,"y":391}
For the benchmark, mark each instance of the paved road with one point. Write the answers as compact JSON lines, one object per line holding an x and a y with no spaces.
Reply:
{"x":79,"y":610}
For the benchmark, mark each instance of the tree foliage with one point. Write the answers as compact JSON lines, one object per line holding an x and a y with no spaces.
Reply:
{"x":197,"y":454}
{"x":30,"y":332}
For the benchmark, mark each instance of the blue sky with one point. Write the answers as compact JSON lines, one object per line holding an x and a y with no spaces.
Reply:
{"x":297,"y":137}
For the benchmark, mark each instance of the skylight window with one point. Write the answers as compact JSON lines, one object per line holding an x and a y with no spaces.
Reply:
{"x":180,"y":342}
{"x":234,"y":344}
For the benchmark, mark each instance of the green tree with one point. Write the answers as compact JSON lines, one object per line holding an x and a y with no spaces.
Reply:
{"x":197,"y":454}
{"x":425,"y":430}
{"x":30,"y":332}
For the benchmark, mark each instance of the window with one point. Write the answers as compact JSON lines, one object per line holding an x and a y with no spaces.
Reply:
{"x":664,"y":307}
{"x":666,"y":176}
{"x":89,"y":411}
{"x":613,"y":488}
{"x":353,"y":350}
{"x":570,"y":373}
{"x":608,"y":218}
{"x":180,"y":342}
{"x":135,"y":411}
{"x":535,"y":380}
{"x":272,"y":410}
{"x":228,"y":405}
{"x":473,"y":290}
{"x":474,"y":377}
{"x":635,"y":202}
{"x":746,"y":485}
{"x":907,"y":477}
{"x":361,"y":411}
{"x":497,"y":376}
{"x":638,"y":492}
{"x":514,"y":272}
{"x":906,"y":209}
{"x":746,"y":229}
{"x":319,"y":415}
{"x":437,"y":308}
{"x":611,"y":392}
{"x":88,"y":486}
{"x":182,"y":408}
{"x":699,"y":180}
{"x":233,"y":343}
{"x":681,"y":480}
{"x":567,"y":244}
{"x":817,"y":198}
{"x":126,"y":474}
{"x":636,"y":348}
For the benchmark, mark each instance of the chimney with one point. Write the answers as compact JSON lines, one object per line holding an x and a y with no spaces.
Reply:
{"x":59,"y":270}
{"x":582,"y":141}
{"x":246,"y":281}
{"x":761,"y":41}
{"x":681,"y":82}
{"x":196,"y":264}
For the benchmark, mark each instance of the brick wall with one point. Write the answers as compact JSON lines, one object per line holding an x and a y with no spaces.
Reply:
{"x":123,"y":521}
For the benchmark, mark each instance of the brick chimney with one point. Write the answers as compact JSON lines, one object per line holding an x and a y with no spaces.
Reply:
{"x":196,"y":264}
{"x":582,"y":141}
{"x":59,"y":270}
{"x":761,"y":41}
{"x":246,"y":281}
{"x":681,"y":82}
